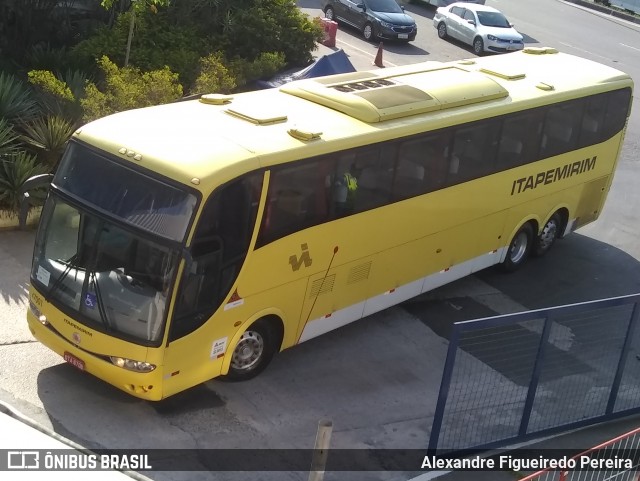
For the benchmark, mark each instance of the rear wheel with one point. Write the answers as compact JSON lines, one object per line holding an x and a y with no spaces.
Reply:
{"x":328,"y":13}
{"x":253,"y":352}
{"x":478,"y":46}
{"x":548,"y":236}
{"x":519,"y":249}
{"x":442,"y":30}
{"x":368,"y":32}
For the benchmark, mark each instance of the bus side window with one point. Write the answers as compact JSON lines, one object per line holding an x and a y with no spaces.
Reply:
{"x":593,"y":121}
{"x":519,"y":139}
{"x":618,"y":106}
{"x":372,"y":170}
{"x":218,"y":249}
{"x":561,"y":128}
{"x":297,"y":199}
{"x":474,"y":151}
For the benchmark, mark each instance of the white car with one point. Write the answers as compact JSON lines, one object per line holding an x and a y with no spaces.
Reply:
{"x":484,"y":28}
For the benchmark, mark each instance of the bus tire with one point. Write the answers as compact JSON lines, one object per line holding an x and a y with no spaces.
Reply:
{"x":253,"y":352}
{"x":548,"y":236}
{"x":519,"y":249}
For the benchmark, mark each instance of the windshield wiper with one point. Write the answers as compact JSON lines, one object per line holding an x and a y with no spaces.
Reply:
{"x":69,"y":264}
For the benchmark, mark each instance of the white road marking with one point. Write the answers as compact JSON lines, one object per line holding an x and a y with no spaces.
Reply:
{"x":365,"y":52}
{"x":629,"y":46}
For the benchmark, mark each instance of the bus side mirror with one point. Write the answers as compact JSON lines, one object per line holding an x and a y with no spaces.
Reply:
{"x":26,"y":200}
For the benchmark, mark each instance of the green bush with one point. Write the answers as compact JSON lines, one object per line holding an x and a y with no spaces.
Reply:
{"x":128,"y":88}
{"x":60,"y":95}
{"x":214,"y":77}
{"x":156,"y":43}
{"x":274,"y":26}
{"x":266,"y":65}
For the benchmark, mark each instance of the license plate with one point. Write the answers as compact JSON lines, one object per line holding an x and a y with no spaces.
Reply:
{"x":403,"y":35}
{"x":74,"y":361}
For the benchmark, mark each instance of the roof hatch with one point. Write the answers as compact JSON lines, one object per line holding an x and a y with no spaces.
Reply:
{"x":374,"y":98}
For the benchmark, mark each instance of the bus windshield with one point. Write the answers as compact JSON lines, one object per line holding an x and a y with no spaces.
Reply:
{"x":113,"y":268}
{"x":104,"y":275}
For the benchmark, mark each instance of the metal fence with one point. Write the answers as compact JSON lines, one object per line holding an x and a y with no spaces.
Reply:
{"x":513,"y":377}
{"x":623,"y":447}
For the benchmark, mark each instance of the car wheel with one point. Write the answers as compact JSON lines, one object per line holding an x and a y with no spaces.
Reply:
{"x":519,"y":249}
{"x":253,"y":352}
{"x":368,"y":32}
{"x":478,"y":46}
{"x":548,"y":236}
{"x":442,"y":30}
{"x":328,"y":13}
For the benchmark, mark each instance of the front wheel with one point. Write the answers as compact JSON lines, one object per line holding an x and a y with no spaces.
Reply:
{"x":252,"y":353}
{"x":478,"y":46}
{"x":442,"y":30}
{"x":368,"y":32}
{"x":328,"y":13}
{"x":519,"y":249}
{"x":548,"y":236}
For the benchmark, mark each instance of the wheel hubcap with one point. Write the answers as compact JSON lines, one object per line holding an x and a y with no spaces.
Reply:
{"x":367,"y":32}
{"x":248,"y":351}
{"x":518,"y":247}
{"x":442,"y":30}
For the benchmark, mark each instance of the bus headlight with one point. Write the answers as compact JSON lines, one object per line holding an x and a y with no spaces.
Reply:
{"x":131,"y":365}
{"x":38,"y":313}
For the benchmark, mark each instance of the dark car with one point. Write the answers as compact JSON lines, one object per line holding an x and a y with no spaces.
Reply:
{"x":376,"y":19}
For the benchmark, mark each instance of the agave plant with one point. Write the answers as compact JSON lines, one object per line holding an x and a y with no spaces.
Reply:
{"x":49,"y":136}
{"x":16,"y":102}
{"x":7,"y":139}
{"x":15,"y":169}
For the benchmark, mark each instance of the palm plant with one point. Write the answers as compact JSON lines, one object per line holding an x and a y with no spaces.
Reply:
{"x":16,"y":103}
{"x":15,"y":169}
{"x":49,"y":136}
{"x":8,"y":139}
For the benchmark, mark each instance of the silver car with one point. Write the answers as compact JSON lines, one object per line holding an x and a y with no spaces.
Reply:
{"x":484,"y":28}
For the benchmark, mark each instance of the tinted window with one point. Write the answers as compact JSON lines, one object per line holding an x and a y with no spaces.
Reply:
{"x":422,"y":165}
{"x":617,"y":111}
{"x":561,"y":128}
{"x":474,"y":151}
{"x":519,"y":140}
{"x":218,"y":249}
{"x":299,"y":197}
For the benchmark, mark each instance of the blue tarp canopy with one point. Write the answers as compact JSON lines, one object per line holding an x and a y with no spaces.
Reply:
{"x":336,"y":62}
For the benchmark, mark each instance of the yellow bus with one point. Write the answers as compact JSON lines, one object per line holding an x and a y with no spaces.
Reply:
{"x":197,"y":239}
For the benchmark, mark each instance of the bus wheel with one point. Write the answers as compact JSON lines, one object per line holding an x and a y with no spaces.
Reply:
{"x":519,"y":249}
{"x":548,"y":236}
{"x":252,"y":354}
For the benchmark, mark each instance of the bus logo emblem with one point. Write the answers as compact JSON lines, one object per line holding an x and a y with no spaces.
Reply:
{"x":76,"y":338}
{"x":304,"y":258}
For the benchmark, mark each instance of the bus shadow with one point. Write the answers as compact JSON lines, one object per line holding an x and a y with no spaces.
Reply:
{"x":577,"y":269}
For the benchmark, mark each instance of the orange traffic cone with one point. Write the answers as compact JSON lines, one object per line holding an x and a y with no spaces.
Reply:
{"x":378,"y":60}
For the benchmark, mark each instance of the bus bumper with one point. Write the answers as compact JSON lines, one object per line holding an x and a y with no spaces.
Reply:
{"x":142,"y":385}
